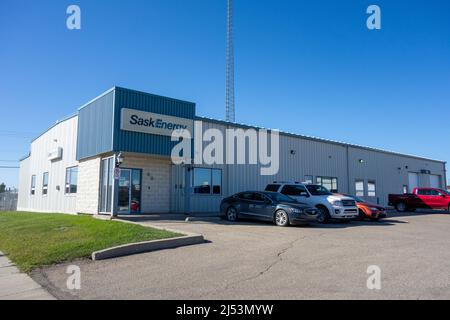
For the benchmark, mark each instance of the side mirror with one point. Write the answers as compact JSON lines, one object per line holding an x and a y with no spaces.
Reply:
{"x":268,"y":201}
{"x":304,"y":195}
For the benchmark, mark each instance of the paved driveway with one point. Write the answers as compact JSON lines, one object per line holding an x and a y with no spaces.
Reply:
{"x":260,"y":261}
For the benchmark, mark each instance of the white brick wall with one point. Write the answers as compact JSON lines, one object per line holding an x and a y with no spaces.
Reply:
{"x":155,"y":196}
{"x":88,"y":186}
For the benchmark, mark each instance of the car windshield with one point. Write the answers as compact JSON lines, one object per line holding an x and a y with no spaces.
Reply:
{"x":278,"y":197}
{"x":317,"y":190}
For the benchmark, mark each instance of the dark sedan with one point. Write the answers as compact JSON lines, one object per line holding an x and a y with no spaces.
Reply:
{"x":268,"y":206}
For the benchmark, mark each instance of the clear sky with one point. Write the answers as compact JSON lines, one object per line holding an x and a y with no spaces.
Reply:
{"x":309,"y":67}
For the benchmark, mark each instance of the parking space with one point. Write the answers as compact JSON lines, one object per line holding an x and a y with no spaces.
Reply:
{"x":248,"y":260}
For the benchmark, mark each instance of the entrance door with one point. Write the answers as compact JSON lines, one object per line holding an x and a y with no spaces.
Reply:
{"x":413,"y":180}
{"x":435,"y":181}
{"x":129,"y":191}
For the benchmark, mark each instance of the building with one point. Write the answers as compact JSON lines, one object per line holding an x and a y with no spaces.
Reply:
{"x":71,"y":167}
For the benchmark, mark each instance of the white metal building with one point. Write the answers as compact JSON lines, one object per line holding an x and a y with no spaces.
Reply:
{"x":71,"y":166}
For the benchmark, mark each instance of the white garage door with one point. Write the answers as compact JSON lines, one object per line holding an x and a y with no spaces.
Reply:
{"x":435,"y":181}
{"x":413,"y":180}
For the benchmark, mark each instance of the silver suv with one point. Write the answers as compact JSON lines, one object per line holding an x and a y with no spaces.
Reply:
{"x":331,"y":206}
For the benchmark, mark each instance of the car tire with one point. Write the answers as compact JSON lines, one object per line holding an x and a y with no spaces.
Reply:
{"x":324,"y":215}
{"x":401,"y":207}
{"x":232,"y":214}
{"x":281,"y":218}
{"x":448,"y":209}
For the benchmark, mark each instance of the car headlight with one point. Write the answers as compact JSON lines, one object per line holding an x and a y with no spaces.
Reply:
{"x":337,"y":203}
{"x":374,"y":209}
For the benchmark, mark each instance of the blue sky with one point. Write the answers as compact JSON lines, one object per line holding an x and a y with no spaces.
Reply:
{"x":309,"y":67}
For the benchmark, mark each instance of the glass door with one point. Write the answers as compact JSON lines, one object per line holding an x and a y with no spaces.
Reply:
{"x":129,"y":191}
{"x":124,"y":191}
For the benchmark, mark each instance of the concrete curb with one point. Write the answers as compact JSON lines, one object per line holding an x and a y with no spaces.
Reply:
{"x":147,"y":246}
{"x":140,"y":247}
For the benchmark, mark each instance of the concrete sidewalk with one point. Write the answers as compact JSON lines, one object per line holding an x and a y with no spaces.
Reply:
{"x":15,"y":285}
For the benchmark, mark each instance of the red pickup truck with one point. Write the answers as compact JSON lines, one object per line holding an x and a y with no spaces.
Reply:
{"x":430,"y":198}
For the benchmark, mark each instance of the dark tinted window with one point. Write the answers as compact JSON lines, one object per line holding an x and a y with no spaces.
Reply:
{"x":317,"y":190}
{"x":273,"y":187}
{"x":278,"y":197}
{"x":423,"y":192}
{"x":291,"y":190}
{"x":245,"y":196}
{"x":258,"y":197}
{"x":435,"y":193}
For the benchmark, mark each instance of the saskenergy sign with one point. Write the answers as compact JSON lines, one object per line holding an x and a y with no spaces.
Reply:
{"x":152,"y":123}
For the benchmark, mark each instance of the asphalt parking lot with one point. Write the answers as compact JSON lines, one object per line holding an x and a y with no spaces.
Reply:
{"x":248,"y":260}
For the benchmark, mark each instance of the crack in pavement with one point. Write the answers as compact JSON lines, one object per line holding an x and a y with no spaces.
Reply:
{"x":279,"y":255}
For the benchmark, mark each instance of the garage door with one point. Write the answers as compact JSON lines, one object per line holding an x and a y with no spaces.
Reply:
{"x":413,"y":180}
{"x":435,"y":181}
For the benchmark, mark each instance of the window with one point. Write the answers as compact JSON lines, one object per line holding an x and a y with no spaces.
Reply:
{"x":245,"y":196}
{"x":106,"y":184}
{"x":316,"y":190}
{"x":435,"y":193}
{"x":292,"y":190}
{"x":272,"y":187}
{"x":423,"y":192}
{"x":33,"y":185}
{"x":308,"y":179}
{"x":328,"y":182}
{"x":71,"y":180}
{"x":259,"y":197}
{"x":45,"y":183}
{"x":371,"y":188}
{"x":207,"y":181}
{"x":359,"y":188}
{"x":217,"y":181}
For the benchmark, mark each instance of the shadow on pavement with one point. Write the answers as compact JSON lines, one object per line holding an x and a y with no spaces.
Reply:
{"x":215,"y":219}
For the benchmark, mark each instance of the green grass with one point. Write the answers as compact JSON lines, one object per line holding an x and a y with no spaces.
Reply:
{"x":36,"y":239}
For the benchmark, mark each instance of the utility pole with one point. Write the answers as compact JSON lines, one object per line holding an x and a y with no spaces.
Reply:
{"x":229,"y":104}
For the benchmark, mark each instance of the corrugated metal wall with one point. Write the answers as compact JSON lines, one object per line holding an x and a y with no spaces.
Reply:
{"x":142,"y":142}
{"x":95,"y":127}
{"x":319,"y":158}
{"x":63,"y":135}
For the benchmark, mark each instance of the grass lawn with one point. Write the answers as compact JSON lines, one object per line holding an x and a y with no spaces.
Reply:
{"x":36,"y":239}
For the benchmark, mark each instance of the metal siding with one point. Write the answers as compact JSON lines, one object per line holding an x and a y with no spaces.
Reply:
{"x":95,"y":121}
{"x":63,"y":135}
{"x":319,"y":158}
{"x":384,"y":169}
{"x":141,"y":142}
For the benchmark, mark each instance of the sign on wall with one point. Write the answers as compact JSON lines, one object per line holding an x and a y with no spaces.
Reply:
{"x":153,"y":123}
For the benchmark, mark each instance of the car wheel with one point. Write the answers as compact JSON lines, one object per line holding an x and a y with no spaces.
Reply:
{"x":232,"y":214}
{"x":324,"y":215}
{"x":361,"y":215}
{"x":448,"y":208}
{"x":401,"y":207}
{"x":281,"y":218}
